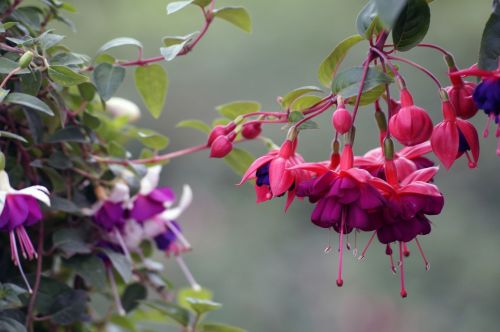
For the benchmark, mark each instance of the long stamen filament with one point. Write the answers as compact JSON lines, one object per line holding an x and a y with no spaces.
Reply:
{"x":365,"y":249}
{"x":189,"y":276}
{"x":426,"y":262}
{"x":402,"y":274}
{"x":15,"y":258}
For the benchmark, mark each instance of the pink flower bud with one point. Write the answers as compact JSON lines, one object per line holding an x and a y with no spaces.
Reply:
{"x":461,"y":98}
{"x":411,"y":125}
{"x":342,"y":120}
{"x":219,"y":131}
{"x":221,"y":147}
{"x":251,"y":131}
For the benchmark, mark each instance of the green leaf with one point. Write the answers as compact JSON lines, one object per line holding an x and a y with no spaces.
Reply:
{"x":177,"y":5}
{"x":201,"y":3}
{"x":58,"y":203}
{"x":174,"y":40}
{"x":90,"y":268}
{"x":304,"y":102}
{"x":134,"y":293}
{"x":7,"y":65}
{"x":13,"y":136}
{"x":152,"y":139}
{"x":9,"y":296}
{"x":28,"y":101}
{"x":490,"y":43}
{"x":295,"y":116}
{"x":235,"y":15}
{"x":71,"y":241}
{"x":217,"y":327}
{"x":48,"y":40}
{"x":177,"y":313}
{"x":117,"y":42}
{"x":412,"y":25}
{"x":152,"y":83}
{"x":365,"y":18}
{"x":170,"y":52}
{"x":201,"y":306}
{"x":288,"y":99}
{"x":87,"y":91}
{"x":195,"y":124}
{"x":347,"y":83}
{"x":69,"y":307}
{"x":60,"y":161}
{"x":234,"y":109}
{"x":11,"y":325}
{"x":389,"y":11}
{"x":48,"y":292}
{"x":331,"y":64}
{"x":31,"y":83}
{"x":239,"y":160}
{"x":64,"y":76}
{"x":68,"y":134}
{"x":107,"y":79}
{"x":184,"y":293}
{"x":3,"y":94}
{"x":121,"y":264}
{"x":70,"y":59}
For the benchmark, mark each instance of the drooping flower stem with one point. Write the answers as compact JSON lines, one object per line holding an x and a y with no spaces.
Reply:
{"x":438,"y":48}
{"x":187,"y":273}
{"x":419,"y":67}
{"x":38,"y":277}
{"x":402,"y":273}
{"x":366,"y":66}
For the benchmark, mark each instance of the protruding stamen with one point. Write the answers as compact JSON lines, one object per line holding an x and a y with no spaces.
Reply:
{"x":187,"y":273}
{"x":402,"y":274}
{"x":472,"y":163}
{"x":486,"y":130}
{"x":426,"y":262}
{"x":15,"y":259}
{"x":25,"y":243}
{"x":365,"y":249}
{"x":355,"y":250}
{"x":347,"y":244}
{"x":178,"y":234}
{"x":388,"y":252}
{"x":122,"y":244}
{"x":328,"y":248}
{"x":340,"y":282}
{"x":114,"y":290}
{"x":406,"y":251}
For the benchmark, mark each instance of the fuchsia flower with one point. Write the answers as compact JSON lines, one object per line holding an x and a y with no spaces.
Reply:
{"x":251,"y":130}
{"x":454,"y":137}
{"x":273,"y":175}
{"x":222,"y":146}
{"x":19,"y":209}
{"x":411,"y":125}
{"x":407,"y":160}
{"x":460,"y":94}
{"x":342,"y":120}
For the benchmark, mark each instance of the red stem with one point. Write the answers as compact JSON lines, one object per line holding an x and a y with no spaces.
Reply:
{"x":419,"y":67}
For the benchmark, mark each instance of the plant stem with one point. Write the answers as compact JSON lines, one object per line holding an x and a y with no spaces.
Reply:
{"x":419,"y":67}
{"x":38,"y":276}
{"x":10,"y":9}
{"x":9,"y":76}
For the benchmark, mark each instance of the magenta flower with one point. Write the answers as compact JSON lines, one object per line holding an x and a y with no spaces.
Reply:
{"x":19,"y":209}
{"x":273,"y":174}
{"x":147,"y":205}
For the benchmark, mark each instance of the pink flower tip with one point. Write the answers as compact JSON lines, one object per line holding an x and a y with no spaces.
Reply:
{"x":342,"y":120}
{"x":221,"y":147}
{"x":340,"y":282}
{"x":251,"y":131}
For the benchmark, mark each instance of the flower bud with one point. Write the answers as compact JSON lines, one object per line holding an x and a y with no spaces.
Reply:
{"x":2,"y":161}
{"x":220,"y":130}
{"x":342,"y":120}
{"x":221,"y":146}
{"x":123,"y":107}
{"x":461,"y":99}
{"x":411,"y":125}
{"x":25,"y":59}
{"x":252,"y":130}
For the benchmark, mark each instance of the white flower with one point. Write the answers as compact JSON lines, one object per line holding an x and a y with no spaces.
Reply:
{"x":123,"y":107}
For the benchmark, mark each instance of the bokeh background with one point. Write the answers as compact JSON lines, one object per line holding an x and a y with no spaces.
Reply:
{"x":267,"y":268}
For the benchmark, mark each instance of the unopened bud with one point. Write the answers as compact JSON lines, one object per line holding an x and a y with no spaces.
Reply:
{"x":251,"y":131}
{"x":123,"y":107}
{"x":221,"y":147}
{"x":388,"y":149}
{"x":25,"y":59}
{"x":381,"y":121}
{"x":342,"y":120}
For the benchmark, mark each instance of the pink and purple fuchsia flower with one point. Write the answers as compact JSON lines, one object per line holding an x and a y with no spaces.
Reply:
{"x":20,"y":209}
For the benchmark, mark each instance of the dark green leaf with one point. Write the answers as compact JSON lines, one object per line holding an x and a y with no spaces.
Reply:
{"x":9,"y":296}
{"x":134,"y":293}
{"x":69,"y":307}
{"x":201,"y":306}
{"x":49,"y":290}
{"x":70,"y":59}
{"x":107,"y":79}
{"x":412,"y":25}
{"x":11,"y":325}
{"x":239,"y":160}
{"x":48,"y":40}
{"x":31,"y":83}
{"x":58,"y":203}
{"x":294,"y":117}
{"x":64,"y":76}
{"x":288,"y":99}
{"x":60,"y":161}
{"x":365,"y":18}
{"x":122,"y":41}
{"x":389,"y":11}
{"x":28,"y":101}
{"x":87,"y":91}
{"x":177,"y":313}
{"x":235,"y":15}
{"x":71,"y":241}
{"x":195,"y":124}
{"x":236,"y":108}
{"x":152,"y":83}
{"x":122,"y":265}
{"x":490,"y":43}
{"x":331,"y":64}
{"x":347,"y":83}
{"x":7,"y":65}
{"x":3,"y":94}
{"x":90,"y":268}
{"x":35,"y":124}
{"x":216,"y":327}
{"x":68,"y":134}
{"x":13,"y":136}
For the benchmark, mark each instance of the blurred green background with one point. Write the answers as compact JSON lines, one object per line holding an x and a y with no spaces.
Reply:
{"x":268,"y":268}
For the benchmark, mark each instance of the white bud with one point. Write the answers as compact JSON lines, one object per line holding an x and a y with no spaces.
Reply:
{"x":123,"y":107}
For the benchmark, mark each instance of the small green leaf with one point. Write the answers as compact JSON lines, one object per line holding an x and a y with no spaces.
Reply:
{"x":13,"y":136}
{"x":389,"y":11}
{"x":177,"y":5}
{"x":331,"y":64}
{"x":7,"y":65}
{"x":195,"y":124}
{"x":28,"y":101}
{"x":288,"y":99}
{"x":152,"y":139}
{"x":64,"y":76}
{"x":177,"y":313}
{"x":71,"y":241}
{"x":216,"y":327}
{"x":412,"y":25}
{"x":490,"y":43}
{"x":201,"y":3}
{"x":184,"y":293}
{"x":239,"y":160}
{"x":295,"y":116}
{"x":134,"y":293}
{"x":107,"y":79}
{"x":3,"y":94}
{"x":87,"y":90}
{"x":49,"y":40}
{"x":69,"y":307}
{"x":170,"y":52}
{"x":347,"y":83}
{"x":90,"y":268}
{"x":152,"y":83}
{"x":11,"y":325}
{"x":174,"y":40}
{"x":201,"y":306}
{"x":117,"y":42}
{"x":365,"y":18}
{"x":304,"y":102}
{"x":68,"y":134}
{"x":58,"y":203}
{"x":235,"y":15}
{"x":121,"y":264}
{"x":236,"y":108}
